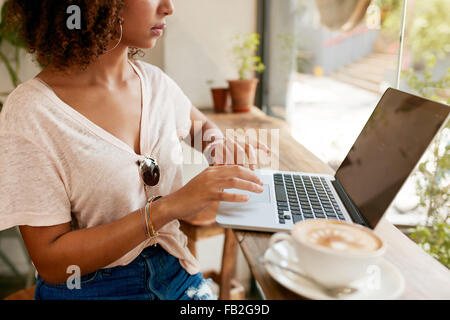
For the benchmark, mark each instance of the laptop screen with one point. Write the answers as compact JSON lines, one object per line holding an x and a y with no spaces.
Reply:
{"x":387,"y":150}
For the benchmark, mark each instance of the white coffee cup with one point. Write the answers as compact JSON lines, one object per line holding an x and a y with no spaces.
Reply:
{"x":332,"y":252}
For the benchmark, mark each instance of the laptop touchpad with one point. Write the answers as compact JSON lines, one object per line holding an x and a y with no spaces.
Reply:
{"x":255,"y":197}
{"x":260,"y":197}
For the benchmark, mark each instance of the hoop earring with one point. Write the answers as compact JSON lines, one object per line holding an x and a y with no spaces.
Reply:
{"x":120,"y":39}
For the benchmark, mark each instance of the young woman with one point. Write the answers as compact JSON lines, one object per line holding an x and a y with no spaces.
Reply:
{"x":90,"y":141}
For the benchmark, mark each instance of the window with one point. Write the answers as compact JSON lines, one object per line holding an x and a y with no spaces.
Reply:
{"x":329,"y":62}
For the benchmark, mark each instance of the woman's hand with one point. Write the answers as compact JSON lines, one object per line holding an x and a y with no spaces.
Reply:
{"x":231,"y":148}
{"x":236,"y":150}
{"x":207,"y":187}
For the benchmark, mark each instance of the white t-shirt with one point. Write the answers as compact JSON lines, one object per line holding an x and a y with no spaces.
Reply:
{"x":58,"y":166}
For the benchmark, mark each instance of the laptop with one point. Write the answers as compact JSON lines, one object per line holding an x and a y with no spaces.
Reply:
{"x":383,"y":156}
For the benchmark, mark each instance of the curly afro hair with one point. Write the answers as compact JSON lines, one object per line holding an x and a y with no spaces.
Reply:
{"x":42,"y":27}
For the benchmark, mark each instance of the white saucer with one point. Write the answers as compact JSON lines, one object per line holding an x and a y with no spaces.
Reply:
{"x":390,"y":285}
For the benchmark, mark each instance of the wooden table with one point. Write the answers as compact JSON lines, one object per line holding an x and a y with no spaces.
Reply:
{"x":425,"y":277}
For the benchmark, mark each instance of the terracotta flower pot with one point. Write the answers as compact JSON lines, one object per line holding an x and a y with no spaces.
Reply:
{"x":242,"y":94}
{"x":221,"y":99}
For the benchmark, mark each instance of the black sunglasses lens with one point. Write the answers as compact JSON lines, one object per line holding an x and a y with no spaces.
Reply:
{"x":150,"y":172}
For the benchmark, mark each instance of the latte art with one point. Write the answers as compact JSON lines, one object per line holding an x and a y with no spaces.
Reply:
{"x":335,"y":253}
{"x":337,"y":236}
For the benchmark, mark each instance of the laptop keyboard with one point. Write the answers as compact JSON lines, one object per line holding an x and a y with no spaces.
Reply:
{"x":302,"y":197}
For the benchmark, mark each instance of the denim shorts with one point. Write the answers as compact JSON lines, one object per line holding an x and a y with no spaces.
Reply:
{"x":153,"y":275}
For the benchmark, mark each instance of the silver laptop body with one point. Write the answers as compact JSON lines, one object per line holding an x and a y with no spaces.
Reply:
{"x":262,"y":212}
{"x":387,"y":150}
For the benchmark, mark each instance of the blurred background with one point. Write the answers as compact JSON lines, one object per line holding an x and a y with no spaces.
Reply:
{"x":327,"y":64}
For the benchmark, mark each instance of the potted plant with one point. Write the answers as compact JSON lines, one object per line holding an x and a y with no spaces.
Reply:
{"x":243,"y":90}
{"x":221,"y":97}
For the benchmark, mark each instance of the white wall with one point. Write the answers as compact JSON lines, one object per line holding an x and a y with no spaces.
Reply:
{"x":155,"y":55}
{"x":197,"y":43}
{"x":28,"y":69}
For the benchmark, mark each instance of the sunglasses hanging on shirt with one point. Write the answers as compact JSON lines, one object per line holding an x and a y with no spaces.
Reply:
{"x":149,"y":171}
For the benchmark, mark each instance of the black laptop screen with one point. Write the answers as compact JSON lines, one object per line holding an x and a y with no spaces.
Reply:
{"x":387,"y":150}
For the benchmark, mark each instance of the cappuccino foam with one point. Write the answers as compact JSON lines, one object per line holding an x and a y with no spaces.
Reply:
{"x":337,"y":236}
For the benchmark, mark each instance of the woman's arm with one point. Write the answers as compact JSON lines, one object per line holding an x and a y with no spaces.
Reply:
{"x":54,"y":248}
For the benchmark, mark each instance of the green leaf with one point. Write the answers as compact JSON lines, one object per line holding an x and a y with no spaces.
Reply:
{"x":244,"y":52}
{"x":435,"y":240}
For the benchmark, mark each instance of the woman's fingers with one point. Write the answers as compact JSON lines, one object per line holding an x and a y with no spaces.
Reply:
{"x":223,"y":177}
{"x":246,"y":149}
{"x":256,"y":144}
{"x":264,"y":147}
{"x":239,"y":172}
{"x":238,"y":183}
{"x":242,"y":151}
{"x":223,"y":152}
{"x":235,"y":151}
{"x":239,"y":155}
{"x":229,"y":153}
{"x":251,"y":155}
{"x":232,"y":197}
{"x":218,"y":153}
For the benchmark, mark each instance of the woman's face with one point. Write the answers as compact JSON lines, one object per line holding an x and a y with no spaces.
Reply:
{"x":140,"y":19}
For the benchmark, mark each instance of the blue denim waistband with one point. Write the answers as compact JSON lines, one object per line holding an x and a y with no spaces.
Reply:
{"x":154,"y":274}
